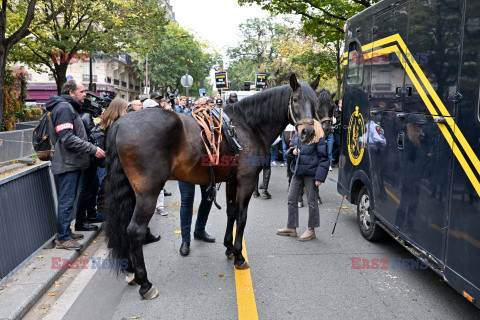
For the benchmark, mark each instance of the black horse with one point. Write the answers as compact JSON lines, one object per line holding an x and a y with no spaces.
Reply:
{"x":148,"y":147}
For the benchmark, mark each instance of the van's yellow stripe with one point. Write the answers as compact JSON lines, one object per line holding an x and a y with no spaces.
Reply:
{"x":246,"y":305}
{"x":441,"y":107}
{"x":458,"y":133}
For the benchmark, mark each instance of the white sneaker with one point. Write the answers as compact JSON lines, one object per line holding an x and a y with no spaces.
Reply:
{"x":330,"y":169}
{"x":273,"y":164}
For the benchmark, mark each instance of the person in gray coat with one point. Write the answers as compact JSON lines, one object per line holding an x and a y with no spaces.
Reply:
{"x":70,"y":157}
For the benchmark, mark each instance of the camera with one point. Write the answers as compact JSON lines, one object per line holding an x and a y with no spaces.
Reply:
{"x":103,"y":101}
{"x":171,"y":97}
{"x":91,"y":107}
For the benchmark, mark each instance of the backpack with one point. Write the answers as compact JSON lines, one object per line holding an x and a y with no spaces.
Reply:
{"x":97,"y":138}
{"x":41,"y":140}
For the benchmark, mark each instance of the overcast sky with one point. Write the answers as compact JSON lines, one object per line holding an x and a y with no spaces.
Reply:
{"x":215,"y":20}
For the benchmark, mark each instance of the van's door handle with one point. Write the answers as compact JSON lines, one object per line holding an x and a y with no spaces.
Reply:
{"x":401,"y":115}
{"x":398,"y":92}
{"x":409,"y":91}
{"x":440,"y":120}
{"x":401,"y":140}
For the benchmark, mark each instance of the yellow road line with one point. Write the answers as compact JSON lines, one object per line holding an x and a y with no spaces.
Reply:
{"x":246,"y":305}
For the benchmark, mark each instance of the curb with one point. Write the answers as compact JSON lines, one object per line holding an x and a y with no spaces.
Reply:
{"x":29,"y":283}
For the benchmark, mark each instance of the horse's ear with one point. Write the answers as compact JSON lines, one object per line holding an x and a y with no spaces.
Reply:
{"x":315,"y":83}
{"x":333,"y":94}
{"x":293,"y":82}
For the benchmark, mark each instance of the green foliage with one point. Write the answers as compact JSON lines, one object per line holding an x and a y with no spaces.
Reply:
{"x":169,"y":60}
{"x":271,"y":47}
{"x":14,"y":93}
{"x":322,"y":19}
{"x":108,"y":27}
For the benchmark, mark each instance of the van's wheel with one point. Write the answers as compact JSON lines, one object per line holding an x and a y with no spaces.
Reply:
{"x":366,"y":221}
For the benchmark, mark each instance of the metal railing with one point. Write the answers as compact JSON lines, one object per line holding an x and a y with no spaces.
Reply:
{"x":16,"y":144}
{"x":28,"y":215}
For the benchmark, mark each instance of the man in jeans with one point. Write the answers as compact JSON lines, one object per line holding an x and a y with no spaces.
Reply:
{"x":71,"y":156}
{"x":187,"y":194}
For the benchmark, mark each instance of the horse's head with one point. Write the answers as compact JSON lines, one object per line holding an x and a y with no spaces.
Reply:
{"x":325,"y":106}
{"x":303,"y":103}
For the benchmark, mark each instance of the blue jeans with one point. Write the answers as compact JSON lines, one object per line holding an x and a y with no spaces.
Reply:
{"x":336,"y":147}
{"x":284,"y":149}
{"x":87,"y":197}
{"x":100,"y":175}
{"x":187,"y":193}
{"x":330,"y":142}
{"x":67,"y":191}
{"x":273,"y":153}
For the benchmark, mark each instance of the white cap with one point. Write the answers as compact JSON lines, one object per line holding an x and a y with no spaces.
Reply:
{"x":149,"y":103}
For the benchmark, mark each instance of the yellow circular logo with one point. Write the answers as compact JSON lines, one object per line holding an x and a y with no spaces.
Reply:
{"x":356,"y":129}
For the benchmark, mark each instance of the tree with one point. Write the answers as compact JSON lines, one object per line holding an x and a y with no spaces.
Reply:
{"x":17,"y":20}
{"x":322,"y":19}
{"x":169,"y":60}
{"x":101,"y":27}
{"x":271,"y":47}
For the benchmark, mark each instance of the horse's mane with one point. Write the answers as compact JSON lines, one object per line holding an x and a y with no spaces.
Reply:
{"x":323,"y":95}
{"x":269,"y":106}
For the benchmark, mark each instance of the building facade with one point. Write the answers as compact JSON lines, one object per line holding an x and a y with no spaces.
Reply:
{"x":115,"y":75}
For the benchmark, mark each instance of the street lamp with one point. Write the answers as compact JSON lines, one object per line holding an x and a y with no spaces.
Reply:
{"x":146,"y":63}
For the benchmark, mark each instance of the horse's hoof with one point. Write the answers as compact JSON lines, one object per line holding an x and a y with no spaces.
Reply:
{"x":130,"y":278}
{"x":230,"y":256}
{"x":243,"y":266}
{"x":151,"y":294}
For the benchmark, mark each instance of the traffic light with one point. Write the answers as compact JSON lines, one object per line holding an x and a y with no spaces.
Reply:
{"x":246,"y":86}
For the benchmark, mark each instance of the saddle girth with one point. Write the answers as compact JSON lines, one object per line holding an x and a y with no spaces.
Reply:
{"x":212,"y":120}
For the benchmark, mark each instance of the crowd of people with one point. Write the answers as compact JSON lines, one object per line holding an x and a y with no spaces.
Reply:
{"x":78,"y":130}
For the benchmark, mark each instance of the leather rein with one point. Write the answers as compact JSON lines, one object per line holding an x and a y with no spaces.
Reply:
{"x":305,"y":121}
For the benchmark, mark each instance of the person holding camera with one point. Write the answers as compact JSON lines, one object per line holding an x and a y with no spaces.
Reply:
{"x":86,"y":212}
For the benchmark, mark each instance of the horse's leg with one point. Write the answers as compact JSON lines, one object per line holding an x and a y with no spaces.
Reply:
{"x":244,"y":193}
{"x":137,"y":230}
{"x":231,"y":193}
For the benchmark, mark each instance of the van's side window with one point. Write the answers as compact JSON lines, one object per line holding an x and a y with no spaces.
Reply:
{"x":355,"y":64}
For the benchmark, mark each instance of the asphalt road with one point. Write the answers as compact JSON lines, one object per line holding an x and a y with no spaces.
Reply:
{"x":291,"y":279}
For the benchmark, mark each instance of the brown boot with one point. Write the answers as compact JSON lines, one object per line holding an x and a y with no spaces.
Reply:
{"x":68,"y":244}
{"x":287,"y":231}
{"x":309,"y":234}
{"x":77,"y":236}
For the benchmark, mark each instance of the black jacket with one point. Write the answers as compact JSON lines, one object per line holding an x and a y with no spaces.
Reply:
{"x":313,"y":159}
{"x":72,"y":150}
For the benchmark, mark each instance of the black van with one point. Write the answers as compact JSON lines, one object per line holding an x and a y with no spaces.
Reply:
{"x":410,"y":135}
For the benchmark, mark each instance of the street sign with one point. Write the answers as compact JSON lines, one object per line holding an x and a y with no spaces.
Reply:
{"x":186,"y":80}
{"x":201,"y":91}
{"x":261,"y":81}
{"x":221,"y":80}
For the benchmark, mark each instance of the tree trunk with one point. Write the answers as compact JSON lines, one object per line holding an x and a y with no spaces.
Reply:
{"x":339,"y":70}
{"x":3,"y":66}
{"x":60,"y":76}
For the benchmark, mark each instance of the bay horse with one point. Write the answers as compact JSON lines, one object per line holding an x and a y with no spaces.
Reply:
{"x":148,"y":147}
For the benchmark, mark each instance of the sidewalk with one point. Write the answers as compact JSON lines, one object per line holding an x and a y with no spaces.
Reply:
{"x":23,"y":289}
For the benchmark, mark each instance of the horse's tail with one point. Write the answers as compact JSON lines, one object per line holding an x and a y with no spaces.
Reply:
{"x":120,"y":201}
